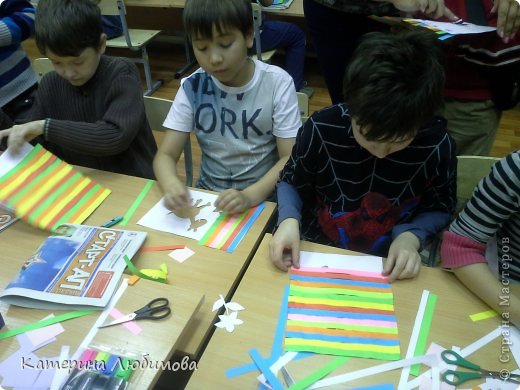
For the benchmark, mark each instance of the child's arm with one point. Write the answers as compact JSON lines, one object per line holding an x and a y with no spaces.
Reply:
{"x":480,"y":280}
{"x":19,"y":134}
{"x":235,"y":201}
{"x":165,"y":169}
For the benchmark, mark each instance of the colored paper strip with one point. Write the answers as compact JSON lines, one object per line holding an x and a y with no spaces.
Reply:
{"x":483,"y":315}
{"x":246,"y":228}
{"x":264,"y":368}
{"x":46,"y":192}
{"x":49,"y":321}
{"x":414,"y":337}
{"x":420,"y":348}
{"x":137,"y":202}
{"x":130,"y":325}
{"x":161,"y":248}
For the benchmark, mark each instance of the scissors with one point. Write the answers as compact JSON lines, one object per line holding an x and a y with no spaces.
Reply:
{"x":156,"y":309}
{"x":459,"y":377}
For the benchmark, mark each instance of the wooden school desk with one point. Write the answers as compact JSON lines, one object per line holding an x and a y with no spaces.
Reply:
{"x":261,"y":291}
{"x":158,"y":338}
{"x":209,"y":272}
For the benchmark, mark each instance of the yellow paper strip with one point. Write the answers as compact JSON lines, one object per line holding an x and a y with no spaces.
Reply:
{"x":484,"y":315}
{"x":343,"y":346}
{"x":7,"y":190}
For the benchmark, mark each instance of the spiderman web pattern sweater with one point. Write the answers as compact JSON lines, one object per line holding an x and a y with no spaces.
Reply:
{"x":345,"y":196}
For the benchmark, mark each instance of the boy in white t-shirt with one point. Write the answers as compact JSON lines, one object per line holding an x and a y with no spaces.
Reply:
{"x":244,"y":112}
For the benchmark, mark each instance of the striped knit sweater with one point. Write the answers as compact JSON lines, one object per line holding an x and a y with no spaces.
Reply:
{"x":494,"y":209}
{"x":16,"y":25}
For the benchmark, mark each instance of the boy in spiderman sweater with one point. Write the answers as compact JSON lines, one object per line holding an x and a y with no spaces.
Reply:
{"x":375,"y":174}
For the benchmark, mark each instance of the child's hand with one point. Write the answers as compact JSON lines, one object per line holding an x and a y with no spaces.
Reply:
{"x":19,"y":134}
{"x":508,"y":18}
{"x":403,"y":259}
{"x":176,"y":196}
{"x":284,"y":247}
{"x":232,"y":201}
{"x":435,"y":9}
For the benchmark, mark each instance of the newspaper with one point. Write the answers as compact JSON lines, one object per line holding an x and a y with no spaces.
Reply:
{"x":79,"y":267}
{"x":7,"y":217}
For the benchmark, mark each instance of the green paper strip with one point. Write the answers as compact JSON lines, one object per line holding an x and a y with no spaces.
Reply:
{"x":231,"y":229}
{"x":43,"y":323}
{"x":340,"y":294}
{"x":420,"y":347}
{"x":135,"y":271}
{"x":136,"y":203}
{"x":21,"y":165}
{"x":210,"y":231}
{"x":321,"y":373}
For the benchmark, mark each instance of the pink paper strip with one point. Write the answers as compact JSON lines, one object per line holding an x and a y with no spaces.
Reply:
{"x":303,"y":317}
{"x":325,"y":270}
{"x":130,"y":325}
{"x":223,"y":232}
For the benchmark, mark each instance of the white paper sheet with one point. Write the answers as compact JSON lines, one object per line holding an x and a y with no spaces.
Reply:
{"x":201,"y":217}
{"x":8,"y":160}
{"x":457,"y":29}
{"x":355,"y":263}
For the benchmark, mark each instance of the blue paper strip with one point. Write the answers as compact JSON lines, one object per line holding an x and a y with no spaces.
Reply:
{"x":245,"y":228}
{"x":339,"y":314}
{"x":263,"y":366}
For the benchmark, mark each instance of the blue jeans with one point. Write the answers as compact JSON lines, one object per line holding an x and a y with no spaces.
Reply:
{"x":335,"y":35}
{"x":291,"y":38}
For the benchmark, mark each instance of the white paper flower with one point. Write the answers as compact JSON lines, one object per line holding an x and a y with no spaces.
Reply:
{"x":228,"y":322}
{"x":219,"y":303}
{"x":234,"y":306}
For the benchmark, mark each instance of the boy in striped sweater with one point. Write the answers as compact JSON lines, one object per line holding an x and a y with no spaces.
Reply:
{"x":17,"y":79}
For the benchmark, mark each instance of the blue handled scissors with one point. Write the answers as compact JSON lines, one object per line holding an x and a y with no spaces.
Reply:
{"x":156,"y":309}
{"x":459,"y":377}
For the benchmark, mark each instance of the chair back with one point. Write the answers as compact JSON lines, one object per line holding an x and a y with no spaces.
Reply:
{"x":41,"y":66}
{"x":257,"y":23}
{"x":156,"y":111}
{"x":133,"y":39}
{"x":303,"y":104}
{"x":111,"y":7}
{"x":470,"y":170}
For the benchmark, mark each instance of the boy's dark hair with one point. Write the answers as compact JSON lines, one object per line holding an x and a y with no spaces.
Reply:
{"x":394,"y":84}
{"x":199,"y":17}
{"x":67,"y":27}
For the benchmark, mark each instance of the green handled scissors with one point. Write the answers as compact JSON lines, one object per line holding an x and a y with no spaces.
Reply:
{"x":459,"y":377}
